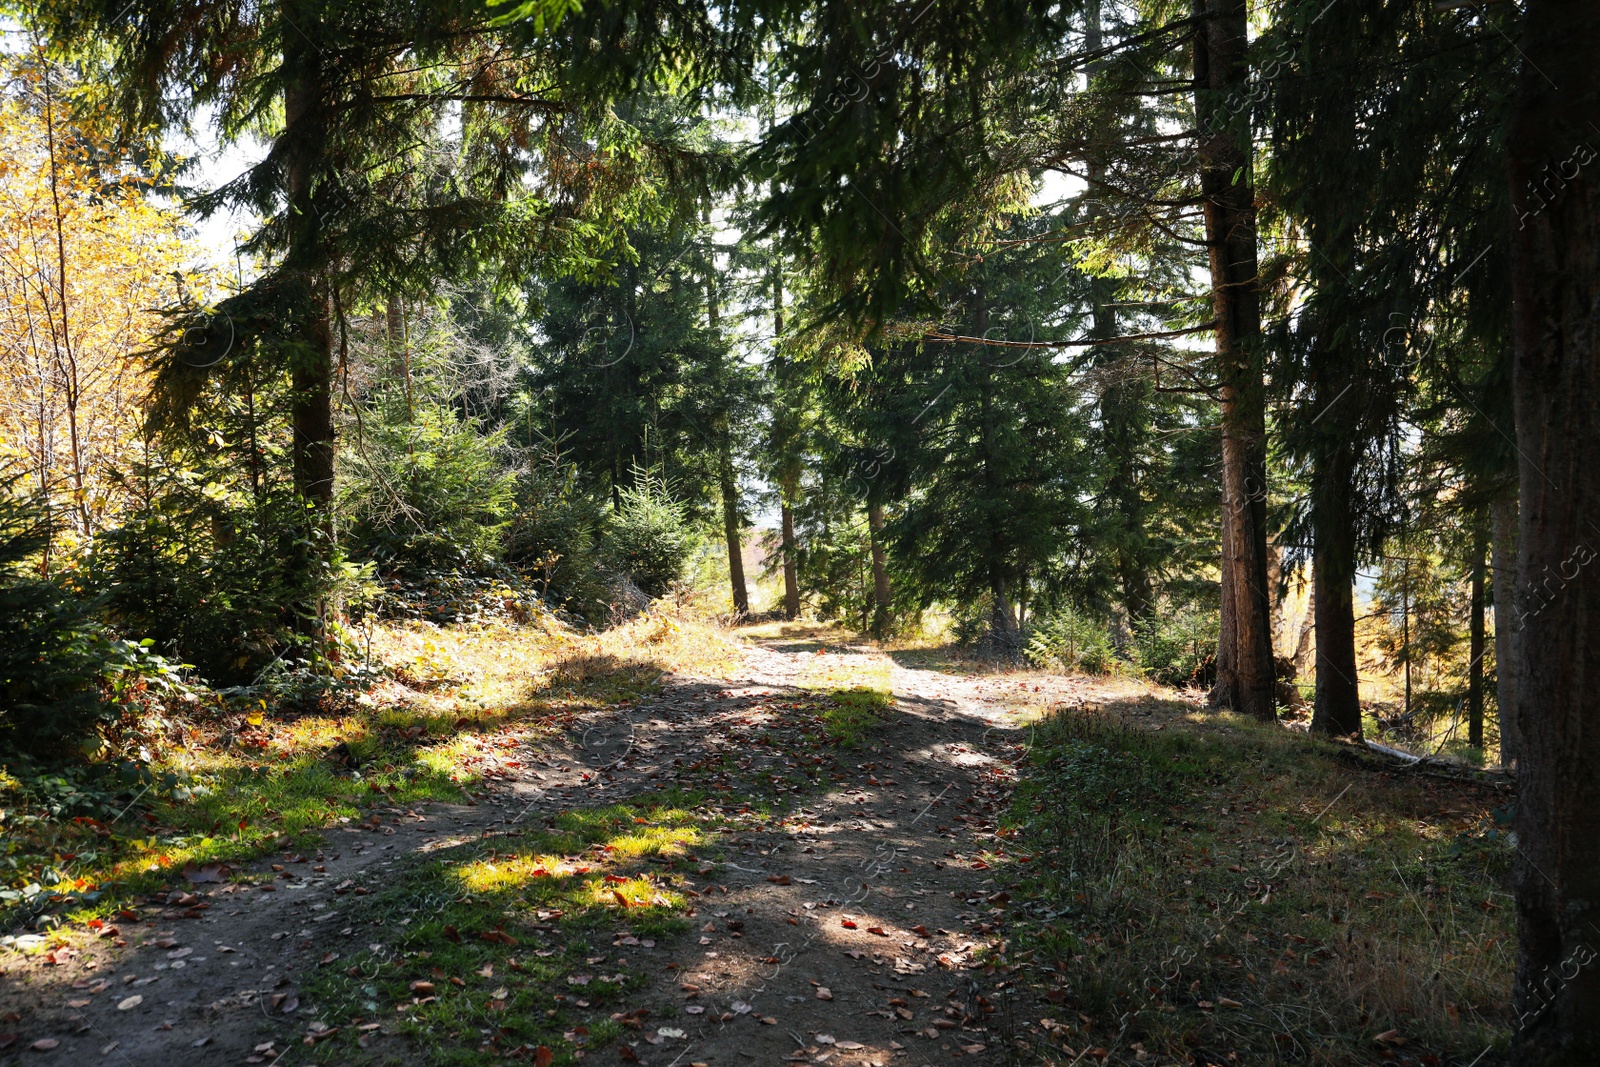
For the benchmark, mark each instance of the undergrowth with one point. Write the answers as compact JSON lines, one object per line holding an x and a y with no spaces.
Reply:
{"x":1215,"y":891}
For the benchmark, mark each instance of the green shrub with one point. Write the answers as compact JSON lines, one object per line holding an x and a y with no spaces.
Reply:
{"x":650,"y":540}
{"x":63,"y":676}
{"x":221,"y":581}
{"x":1175,"y":647}
{"x":555,"y":532}
{"x":1069,"y":641}
{"x":426,"y":491}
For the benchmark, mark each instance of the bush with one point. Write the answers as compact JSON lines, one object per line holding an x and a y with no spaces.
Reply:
{"x":1068,"y":641}
{"x":427,"y":492}
{"x":649,"y":541}
{"x":63,"y":676}
{"x":223,"y":581}
{"x":555,"y":535}
{"x":1176,"y":647}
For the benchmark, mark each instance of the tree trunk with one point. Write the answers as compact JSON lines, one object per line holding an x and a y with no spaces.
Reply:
{"x":789,"y":486}
{"x":1122,"y":403}
{"x":730,"y":527}
{"x":1555,"y":271}
{"x":1224,"y":694}
{"x":1476,"y":643}
{"x":400,"y":349}
{"x":1337,"y":711}
{"x":1221,"y":71}
{"x":880,"y":572}
{"x":1503,"y":565}
{"x":311,"y":364}
{"x":791,"y":570}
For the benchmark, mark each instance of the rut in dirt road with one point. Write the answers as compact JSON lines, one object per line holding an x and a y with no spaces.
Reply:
{"x":849,"y":928}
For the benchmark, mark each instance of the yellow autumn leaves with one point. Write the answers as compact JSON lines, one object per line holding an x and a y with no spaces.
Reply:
{"x":87,"y":253}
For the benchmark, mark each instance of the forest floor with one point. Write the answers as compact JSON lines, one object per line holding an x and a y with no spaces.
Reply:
{"x":795,"y":847}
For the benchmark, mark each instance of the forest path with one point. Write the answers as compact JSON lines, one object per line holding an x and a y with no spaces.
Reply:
{"x":842,"y":932}
{"x":848,"y":934}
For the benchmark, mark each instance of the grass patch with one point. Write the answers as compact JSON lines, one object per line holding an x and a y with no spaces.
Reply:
{"x":855,"y":713}
{"x":497,"y":947}
{"x":227,"y":783}
{"x":1219,"y":891}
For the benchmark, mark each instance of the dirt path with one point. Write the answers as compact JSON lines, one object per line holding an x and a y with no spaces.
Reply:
{"x":844,"y":934}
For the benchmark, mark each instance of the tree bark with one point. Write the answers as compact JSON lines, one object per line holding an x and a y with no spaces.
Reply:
{"x":1224,"y":693}
{"x":730,"y":528}
{"x":791,"y":570}
{"x":1555,"y":271}
{"x":1221,"y":72}
{"x":1475,"y":644}
{"x":311,"y":360}
{"x":400,"y":348}
{"x":880,"y":572}
{"x":1503,"y":565}
{"x":1337,"y":710}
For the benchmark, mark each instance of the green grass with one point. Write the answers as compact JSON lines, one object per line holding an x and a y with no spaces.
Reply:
{"x":1228,"y":887}
{"x":855,"y":713}
{"x":112,"y":840}
{"x":527,"y":923}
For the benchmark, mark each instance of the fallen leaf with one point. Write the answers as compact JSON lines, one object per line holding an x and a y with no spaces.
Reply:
{"x":422,"y":987}
{"x":129,"y":1003}
{"x":44,"y":1044}
{"x":211,"y":872}
{"x":824,"y":993}
{"x":543,"y":1057}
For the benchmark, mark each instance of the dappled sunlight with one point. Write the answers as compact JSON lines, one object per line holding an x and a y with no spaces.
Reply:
{"x":629,"y":893}
{"x":512,"y":872}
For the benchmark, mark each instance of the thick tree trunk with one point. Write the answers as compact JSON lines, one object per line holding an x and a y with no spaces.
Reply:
{"x":730,"y":528}
{"x":1503,"y":564}
{"x":1337,"y":711}
{"x":880,"y":572}
{"x":791,"y":571}
{"x":1221,"y":71}
{"x":1475,"y":645}
{"x":1555,"y":264}
{"x":311,"y":363}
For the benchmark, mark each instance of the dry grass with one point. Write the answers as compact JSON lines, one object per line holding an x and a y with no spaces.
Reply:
{"x":1213,"y":886}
